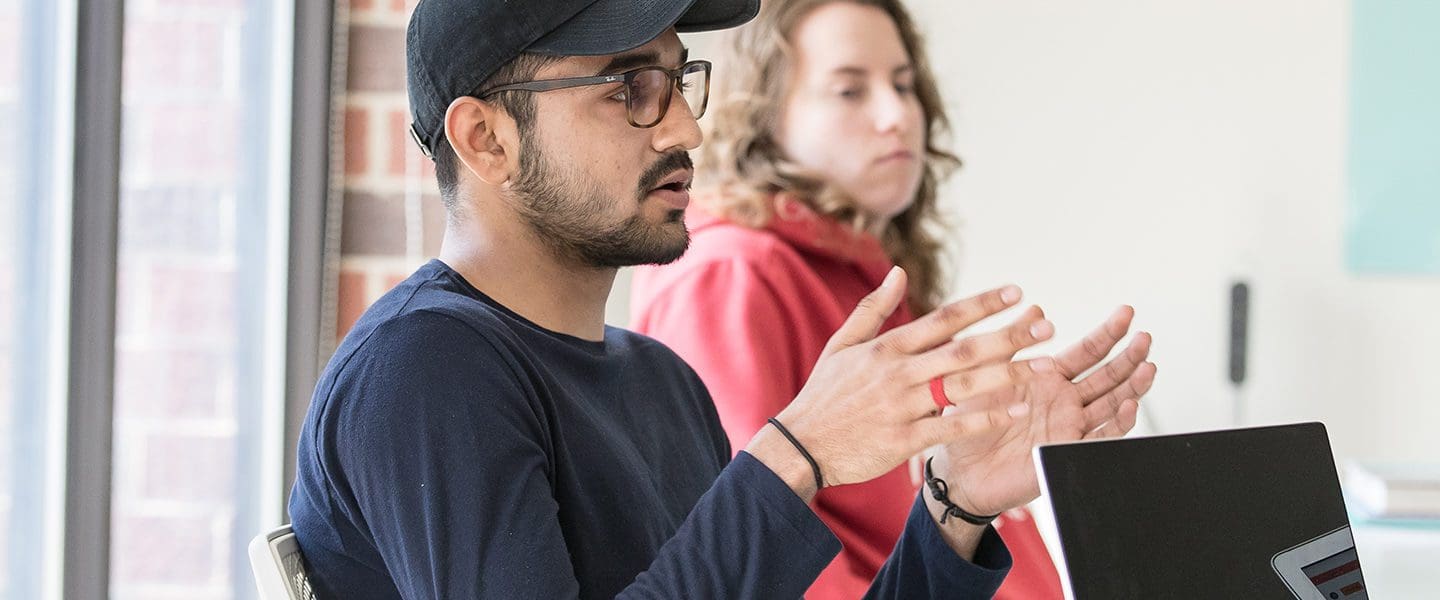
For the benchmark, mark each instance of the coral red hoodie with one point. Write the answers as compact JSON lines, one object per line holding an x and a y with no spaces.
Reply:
{"x":751,"y":310}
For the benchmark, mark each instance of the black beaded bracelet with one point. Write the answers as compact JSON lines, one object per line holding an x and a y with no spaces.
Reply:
{"x":814,"y":466}
{"x":941,"y":492}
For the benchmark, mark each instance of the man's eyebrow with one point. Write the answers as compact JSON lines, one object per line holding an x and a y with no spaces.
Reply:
{"x":635,"y":60}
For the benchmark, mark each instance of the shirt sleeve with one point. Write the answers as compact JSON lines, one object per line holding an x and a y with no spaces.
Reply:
{"x":730,"y":324}
{"x":443,"y":453}
{"x":924,"y":566}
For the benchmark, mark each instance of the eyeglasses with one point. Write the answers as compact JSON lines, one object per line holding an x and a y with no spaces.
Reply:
{"x":648,"y":90}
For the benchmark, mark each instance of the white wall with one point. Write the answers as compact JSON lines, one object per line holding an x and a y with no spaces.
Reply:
{"x":1148,"y":152}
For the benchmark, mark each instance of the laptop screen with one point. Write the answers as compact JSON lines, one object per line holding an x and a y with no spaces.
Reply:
{"x":1247,"y":513}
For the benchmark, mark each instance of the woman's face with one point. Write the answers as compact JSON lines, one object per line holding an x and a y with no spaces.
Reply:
{"x":852,"y":116}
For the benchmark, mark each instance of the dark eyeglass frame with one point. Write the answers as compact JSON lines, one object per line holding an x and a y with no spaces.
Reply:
{"x":675,"y":76}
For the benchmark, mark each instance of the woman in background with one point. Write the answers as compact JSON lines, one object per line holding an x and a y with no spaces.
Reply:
{"x":820,"y":172}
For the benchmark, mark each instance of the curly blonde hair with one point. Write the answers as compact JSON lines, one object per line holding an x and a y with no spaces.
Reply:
{"x":742,"y":158}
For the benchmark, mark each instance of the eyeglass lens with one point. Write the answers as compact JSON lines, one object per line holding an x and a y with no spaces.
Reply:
{"x":649,"y":94}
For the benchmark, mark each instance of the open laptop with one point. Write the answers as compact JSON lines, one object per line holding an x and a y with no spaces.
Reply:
{"x":1245,"y":513}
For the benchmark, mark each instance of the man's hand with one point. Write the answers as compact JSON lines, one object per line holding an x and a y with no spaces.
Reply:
{"x":988,"y":475}
{"x":867,"y":406}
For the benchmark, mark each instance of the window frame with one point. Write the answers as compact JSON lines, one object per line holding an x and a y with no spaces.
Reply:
{"x":82,"y":150}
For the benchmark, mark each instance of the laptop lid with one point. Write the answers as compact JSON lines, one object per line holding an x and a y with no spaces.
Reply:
{"x":1244,"y":513}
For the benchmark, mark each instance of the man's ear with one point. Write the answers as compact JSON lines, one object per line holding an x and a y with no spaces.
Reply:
{"x":484,"y":138}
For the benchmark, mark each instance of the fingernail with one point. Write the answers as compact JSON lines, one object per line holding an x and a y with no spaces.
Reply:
{"x":1010,"y":294}
{"x":1042,"y":329}
{"x":1018,"y":410}
{"x":890,"y":277}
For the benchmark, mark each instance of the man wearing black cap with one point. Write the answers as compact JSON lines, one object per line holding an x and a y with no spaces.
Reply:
{"x":481,"y":433}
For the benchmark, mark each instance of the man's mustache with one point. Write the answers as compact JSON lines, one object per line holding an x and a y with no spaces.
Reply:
{"x":662,"y":168}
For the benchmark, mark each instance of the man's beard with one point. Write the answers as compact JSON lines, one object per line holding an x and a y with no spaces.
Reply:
{"x":566,"y":213}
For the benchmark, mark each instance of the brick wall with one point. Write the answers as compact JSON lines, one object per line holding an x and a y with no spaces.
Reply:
{"x":388,"y":182}
{"x":393,"y":218}
{"x":176,"y":320}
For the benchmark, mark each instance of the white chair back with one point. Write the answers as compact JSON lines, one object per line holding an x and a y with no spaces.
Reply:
{"x":279,"y":568}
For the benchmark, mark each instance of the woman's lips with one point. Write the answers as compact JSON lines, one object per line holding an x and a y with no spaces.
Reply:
{"x":898,"y":155}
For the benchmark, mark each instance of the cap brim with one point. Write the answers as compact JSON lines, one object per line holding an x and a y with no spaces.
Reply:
{"x":611,"y":26}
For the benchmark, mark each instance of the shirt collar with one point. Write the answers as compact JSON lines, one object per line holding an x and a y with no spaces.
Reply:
{"x":812,"y":233}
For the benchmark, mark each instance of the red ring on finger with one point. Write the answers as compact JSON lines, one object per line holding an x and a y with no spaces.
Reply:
{"x":937,"y":393}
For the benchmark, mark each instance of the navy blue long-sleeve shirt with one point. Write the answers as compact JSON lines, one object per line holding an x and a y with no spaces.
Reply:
{"x":454,"y":449}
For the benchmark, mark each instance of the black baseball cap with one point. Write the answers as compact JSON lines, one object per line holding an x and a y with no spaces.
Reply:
{"x":451,"y":46}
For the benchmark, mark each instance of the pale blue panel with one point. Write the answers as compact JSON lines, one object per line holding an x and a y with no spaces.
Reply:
{"x":1394,"y":160}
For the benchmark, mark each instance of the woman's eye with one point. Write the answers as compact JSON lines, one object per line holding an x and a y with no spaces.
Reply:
{"x":851,"y":93}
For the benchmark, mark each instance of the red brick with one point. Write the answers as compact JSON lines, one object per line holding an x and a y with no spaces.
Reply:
{"x":172,"y":220}
{"x":377,"y":58}
{"x":398,"y":140}
{"x":187,"y":383}
{"x":357,"y":140}
{"x":432,"y":211}
{"x":170,"y":550}
{"x":351,"y":301}
{"x":180,"y":467}
{"x":191,"y":302}
{"x":180,"y":128}
{"x":392,"y":280}
{"x":404,"y":153}
{"x":373,"y":225}
{"x":196,"y":142}
{"x":165,"y":56}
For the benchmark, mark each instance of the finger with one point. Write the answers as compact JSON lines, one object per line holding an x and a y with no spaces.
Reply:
{"x":962,"y":386}
{"x":1095,"y":347}
{"x":1116,"y":371}
{"x":986,"y":400}
{"x":970,"y":352}
{"x":1123,"y":422}
{"x":1031,"y":315}
{"x":977,"y":389}
{"x":943,"y":323}
{"x":872,"y":311}
{"x":960,"y":425}
{"x":1134,"y":388}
